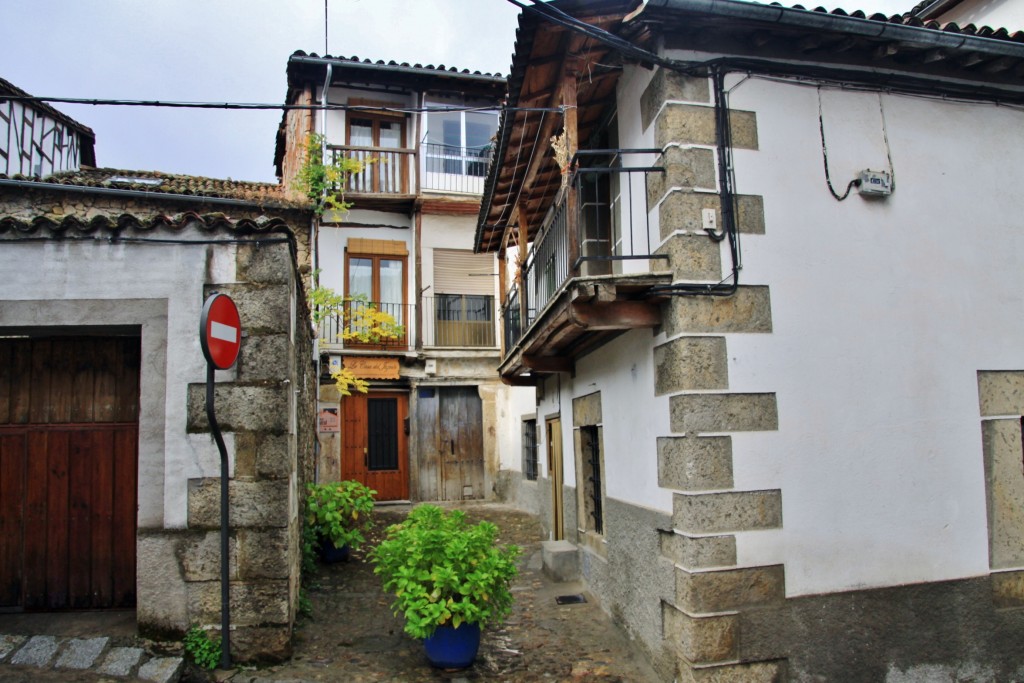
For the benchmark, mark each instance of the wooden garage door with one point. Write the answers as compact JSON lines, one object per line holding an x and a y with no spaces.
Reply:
{"x":68,"y":470}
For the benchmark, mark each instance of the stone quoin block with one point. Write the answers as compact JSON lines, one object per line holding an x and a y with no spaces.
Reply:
{"x":586,"y":410}
{"x":262,"y":309}
{"x":265,"y":263}
{"x":731,"y":589}
{"x":681,"y":210}
{"x":690,"y":124}
{"x":263,"y":644}
{"x":685,"y":124}
{"x":1001,"y":392}
{"x":727,"y":512}
{"x":252,"y":602}
{"x":700,"y":639}
{"x":693,"y":258}
{"x":671,"y":85}
{"x":263,"y":553}
{"x":749,"y":213}
{"x":160,"y":608}
{"x":1001,"y":447}
{"x":275,"y":456}
{"x":691,"y":364}
{"x":240,"y":407}
{"x":199,"y":555}
{"x":699,"y":552}
{"x":265,"y":357}
{"x":1008,"y":589}
{"x":685,"y":167}
{"x":245,"y":455}
{"x":692,"y":413}
{"x":250,"y":503}
{"x":748,"y":310}
{"x":690,"y":463}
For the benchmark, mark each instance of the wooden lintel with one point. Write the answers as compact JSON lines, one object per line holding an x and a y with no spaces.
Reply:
{"x":548,"y":363}
{"x":621,"y":315}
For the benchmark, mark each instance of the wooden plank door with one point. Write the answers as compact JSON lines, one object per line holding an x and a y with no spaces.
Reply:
{"x":554,"y":448}
{"x":461,"y":443}
{"x":375,"y":444}
{"x":68,"y":472}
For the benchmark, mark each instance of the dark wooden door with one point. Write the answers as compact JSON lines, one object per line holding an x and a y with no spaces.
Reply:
{"x":68,"y":472}
{"x":374,"y":447}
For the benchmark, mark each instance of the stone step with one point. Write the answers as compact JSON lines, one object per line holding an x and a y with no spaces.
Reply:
{"x":87,"y":654}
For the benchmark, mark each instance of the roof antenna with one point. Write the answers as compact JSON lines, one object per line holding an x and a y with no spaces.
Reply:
{"x":325,"y":29}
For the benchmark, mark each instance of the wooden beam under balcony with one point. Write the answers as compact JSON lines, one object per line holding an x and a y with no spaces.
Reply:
{"x":618,"y":315}
{"x":548,"y":363}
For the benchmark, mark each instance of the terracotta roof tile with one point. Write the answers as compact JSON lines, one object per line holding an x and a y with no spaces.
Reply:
{"x":380,"y":62}
{"x":158,"y":183}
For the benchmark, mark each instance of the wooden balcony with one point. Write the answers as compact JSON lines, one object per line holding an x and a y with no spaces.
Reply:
{"x":589,"y":276}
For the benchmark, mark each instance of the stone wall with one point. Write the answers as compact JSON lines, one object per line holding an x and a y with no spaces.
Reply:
{"x":112,"y":261}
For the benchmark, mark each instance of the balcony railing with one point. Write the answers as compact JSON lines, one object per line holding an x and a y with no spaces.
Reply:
{"x":607,"y":235}
{"x":459,"y":320}
{"x":387,"y":169}
{"x":454,"y":169}
{"x":353,"y":321}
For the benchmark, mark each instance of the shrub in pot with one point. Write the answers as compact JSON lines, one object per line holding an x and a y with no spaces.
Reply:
{"x":337,"y":514}
{"x":449,"y":578}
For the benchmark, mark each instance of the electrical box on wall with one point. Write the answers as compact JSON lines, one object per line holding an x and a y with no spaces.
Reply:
{"x":430,"y":366}
{"x":875,"y":183}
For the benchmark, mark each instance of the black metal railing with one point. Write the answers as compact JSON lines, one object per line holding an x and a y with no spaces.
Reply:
{"x":356,"y":325}
{"x":454,"y":169}
{"x":386,"y":170}
{"x":607,"y":234}
{"x":459,"y":320}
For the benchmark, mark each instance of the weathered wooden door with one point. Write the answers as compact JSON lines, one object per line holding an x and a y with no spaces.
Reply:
{"x":69,"y":411}
{"x":554,"y":448}
{"x":449,"y":423}
{"x":374,"y":442}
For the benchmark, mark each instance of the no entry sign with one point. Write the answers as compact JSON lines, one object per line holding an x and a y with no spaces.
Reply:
{"x":220,"y":331}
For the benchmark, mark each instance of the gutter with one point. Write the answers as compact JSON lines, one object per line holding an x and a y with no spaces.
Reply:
{"x":935,"y":8}
{"x":394,"y":68}
{"x":141,"y":194}
{"x":787,"y":16}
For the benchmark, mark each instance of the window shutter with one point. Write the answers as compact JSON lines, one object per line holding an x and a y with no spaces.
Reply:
{"x":463,"y":272}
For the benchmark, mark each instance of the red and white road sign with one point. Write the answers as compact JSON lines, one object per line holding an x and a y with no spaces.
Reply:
{"x":220,"y":331}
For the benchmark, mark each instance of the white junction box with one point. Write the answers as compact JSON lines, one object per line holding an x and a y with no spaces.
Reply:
{"x":877,"y":183}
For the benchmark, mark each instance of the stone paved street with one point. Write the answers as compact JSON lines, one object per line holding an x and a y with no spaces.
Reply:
{"x":352,"y":635}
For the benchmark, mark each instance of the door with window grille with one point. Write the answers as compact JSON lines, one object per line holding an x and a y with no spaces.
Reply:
{"x":374,"y":442}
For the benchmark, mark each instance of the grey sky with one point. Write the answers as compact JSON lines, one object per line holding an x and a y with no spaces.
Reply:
{"x":232,"y":51}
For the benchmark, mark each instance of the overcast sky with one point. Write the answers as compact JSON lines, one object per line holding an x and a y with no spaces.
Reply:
{"x":233,"y":51}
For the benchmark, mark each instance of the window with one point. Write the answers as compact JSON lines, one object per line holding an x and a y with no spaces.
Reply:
{"x":464,"y":303}
{"x":376,"y":276}
{"x":590,"y":445}
{"x":459,"y":142}
{"x":372,"y":139}
{"x":530,"y":449}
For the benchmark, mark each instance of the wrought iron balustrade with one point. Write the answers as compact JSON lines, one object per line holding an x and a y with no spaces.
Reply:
{"x":459,"y":320}
{"x":608,"y":238}
{"x":454,"y":169}
{"x":355,"y":321}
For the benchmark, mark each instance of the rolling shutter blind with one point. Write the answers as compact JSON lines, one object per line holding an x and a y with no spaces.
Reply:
{"x":463,"y":272}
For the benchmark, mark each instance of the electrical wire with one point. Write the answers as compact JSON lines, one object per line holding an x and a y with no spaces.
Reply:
{"x":824,"y":157}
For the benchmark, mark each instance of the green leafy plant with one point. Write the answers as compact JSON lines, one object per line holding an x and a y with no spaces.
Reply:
{"x":324,"y":183}
{"x":305,"y":604}
{"x":339,"y":511}
{"x":204,"y":650}
{"x":442,"y":569}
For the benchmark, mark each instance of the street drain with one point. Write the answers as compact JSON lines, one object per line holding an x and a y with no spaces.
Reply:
{"x":570,"y":599}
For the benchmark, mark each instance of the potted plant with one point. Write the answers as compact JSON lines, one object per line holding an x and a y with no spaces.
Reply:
{"x":337,"y":514}
{"x":450,"y":579}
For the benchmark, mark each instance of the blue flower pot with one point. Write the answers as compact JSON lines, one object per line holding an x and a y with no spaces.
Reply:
{"x":453,"y":648}
{"x":330,"y":554}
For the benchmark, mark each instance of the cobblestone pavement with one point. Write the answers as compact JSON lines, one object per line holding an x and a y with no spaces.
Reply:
{"x":353,"y":636}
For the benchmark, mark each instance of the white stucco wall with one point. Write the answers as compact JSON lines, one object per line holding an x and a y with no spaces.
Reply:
{"x":883,"y":311}
{"x":1008,"y":14}
{"x":80,"y":283}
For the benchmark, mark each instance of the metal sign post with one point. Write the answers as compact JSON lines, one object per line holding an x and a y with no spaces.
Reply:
{"x":220,"y":334}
